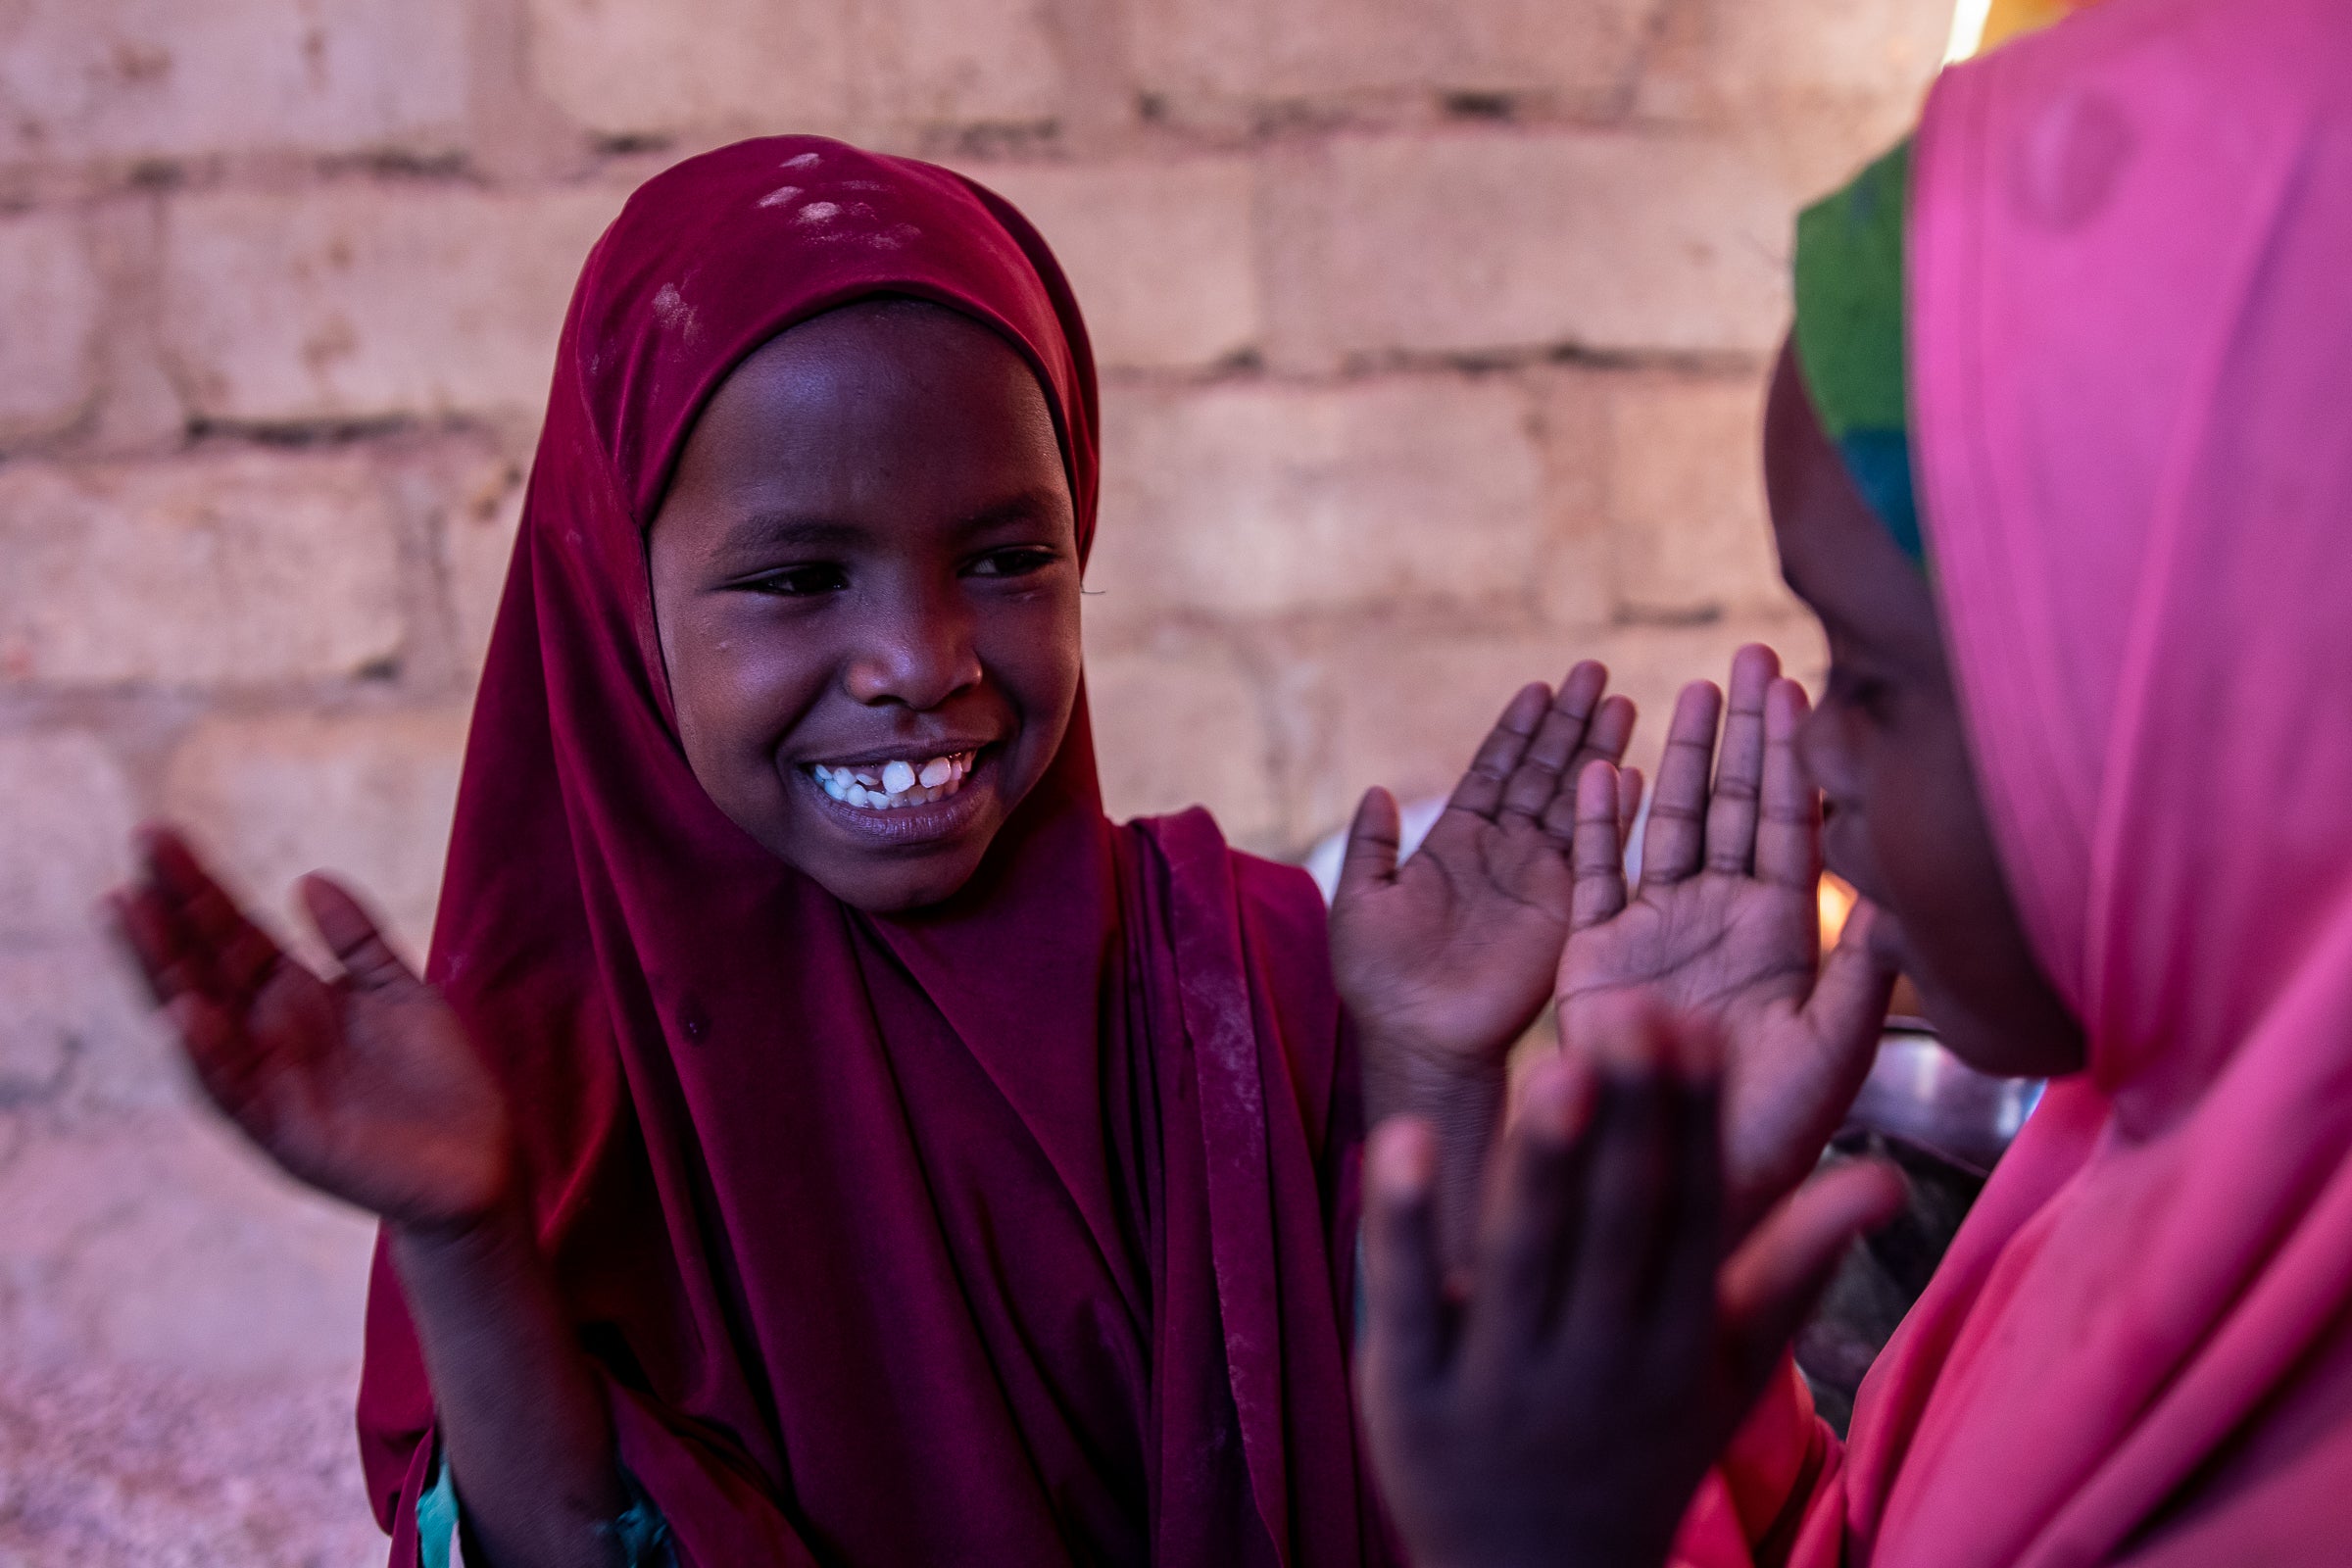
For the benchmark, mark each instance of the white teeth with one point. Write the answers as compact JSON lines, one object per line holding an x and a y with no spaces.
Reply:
{"x":897,"y":783}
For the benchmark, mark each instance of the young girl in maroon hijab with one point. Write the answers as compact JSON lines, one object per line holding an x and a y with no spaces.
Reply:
{"x":825,"y":1136}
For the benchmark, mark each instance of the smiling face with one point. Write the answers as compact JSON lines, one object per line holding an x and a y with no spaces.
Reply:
{"x":865,"y":575}
{"x":1888,"y":749}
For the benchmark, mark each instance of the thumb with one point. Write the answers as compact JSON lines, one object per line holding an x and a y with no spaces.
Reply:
{"x":1848,"y":1004}
{"x":1372,"y":842}
{"x":1770,"y":1284}
{"x":352,"y":934}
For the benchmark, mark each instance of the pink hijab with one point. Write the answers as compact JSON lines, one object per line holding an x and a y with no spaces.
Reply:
{"x":2131,"y":351}
{"x":1014,"y":1231}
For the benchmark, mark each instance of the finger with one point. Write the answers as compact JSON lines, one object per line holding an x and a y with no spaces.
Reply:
{"x":1596,"y":851}
{"x":1770,"y":1286}
{"x":1403,"y":1280}
{"x":227,"y":1062}
{"x":1535,"y":782}
{"x":1630,"y":1172}
{"x":351,"y":934}
{"x":1610,"y":733}
{"x":224,"y":1058}
{"x":238,"y":953}
{"x":1605,"y":740}
{"x":1374,"y":840}
{"x":1850,"y":999}
{"x":1739,"y":764}
{"x":1785,"y":1110}
{"x":1846,"y":1016}
{"x":1788,"y":838}
{"x":142,"y":924}
{"x":1480,"y":792}
{"x":1528,"y":1230}
{"x":1685,"y":1302}
{"x":1628,"y":801}
{"x":1678,"y":807}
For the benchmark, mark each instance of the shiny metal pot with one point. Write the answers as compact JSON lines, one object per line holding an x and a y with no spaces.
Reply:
{"x":1920,"y":1095}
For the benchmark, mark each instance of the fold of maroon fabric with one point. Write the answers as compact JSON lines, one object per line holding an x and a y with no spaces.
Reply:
{"x":1015,"y":1230}
{"x":2131,"y":323}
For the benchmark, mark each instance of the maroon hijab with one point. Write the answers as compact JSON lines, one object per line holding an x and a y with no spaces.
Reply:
{"x":1011,"y":1232}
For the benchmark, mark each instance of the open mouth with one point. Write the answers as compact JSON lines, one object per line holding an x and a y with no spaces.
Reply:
{"x":897,"y":784}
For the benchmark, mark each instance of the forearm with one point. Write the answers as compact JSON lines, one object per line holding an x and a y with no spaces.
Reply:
{"x":522,"y":1416}
{"x":1463,"y":1107}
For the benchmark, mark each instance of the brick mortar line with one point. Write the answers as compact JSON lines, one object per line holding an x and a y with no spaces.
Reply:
{"x":469,"y":161}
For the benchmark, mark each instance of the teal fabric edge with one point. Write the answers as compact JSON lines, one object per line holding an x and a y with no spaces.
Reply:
{"x":641,"y":1533}
{"x":437,"y":1516}
{"x":1880,"y":464}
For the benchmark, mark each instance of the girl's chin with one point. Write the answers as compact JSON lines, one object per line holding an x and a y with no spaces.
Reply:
{"x":902,"y":890}
{"x":1983,"y":1043}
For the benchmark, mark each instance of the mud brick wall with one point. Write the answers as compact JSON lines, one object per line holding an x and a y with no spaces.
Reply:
{"x":1433,"y":335}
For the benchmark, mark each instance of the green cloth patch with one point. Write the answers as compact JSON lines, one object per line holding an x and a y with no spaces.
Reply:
{"x":1850,"y":341}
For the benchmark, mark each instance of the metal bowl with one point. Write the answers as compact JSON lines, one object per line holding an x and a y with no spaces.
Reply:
{"x":1922,"y":1095}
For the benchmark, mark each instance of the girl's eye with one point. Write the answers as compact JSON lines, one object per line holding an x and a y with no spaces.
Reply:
{"x":801,"y":582}
{"x":1016,"y":561}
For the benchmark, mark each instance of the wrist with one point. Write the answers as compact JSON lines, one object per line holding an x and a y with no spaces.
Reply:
{"x":475,"y":1199}
{"x":498,"y":1226}
{"x":1404,"y":1075}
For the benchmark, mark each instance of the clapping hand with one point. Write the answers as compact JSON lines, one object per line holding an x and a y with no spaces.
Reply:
{"x":364,"y":1087}
{"x":1446,"y":960}
{"x":1564,"y":1410}
{"x":1725,"y":925}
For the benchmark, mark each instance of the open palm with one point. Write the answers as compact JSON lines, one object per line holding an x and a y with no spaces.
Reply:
{"x":1724,"y":924}
{"x":1451,"y":954}
{"x":364,"y":1087}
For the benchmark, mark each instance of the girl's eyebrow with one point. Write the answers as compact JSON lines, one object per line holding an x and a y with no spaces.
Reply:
{"x":762,"y":528}
{"x":1024,"y":506}
{"x":767,"y":530}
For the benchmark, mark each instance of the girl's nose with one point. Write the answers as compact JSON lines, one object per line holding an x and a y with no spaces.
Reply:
{"x":917,"y":657}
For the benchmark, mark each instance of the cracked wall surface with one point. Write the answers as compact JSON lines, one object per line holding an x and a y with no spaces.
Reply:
{"x":1433,"y":336}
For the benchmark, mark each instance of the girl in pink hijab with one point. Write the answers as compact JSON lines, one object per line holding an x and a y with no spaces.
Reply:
{"x":2093,"y":765}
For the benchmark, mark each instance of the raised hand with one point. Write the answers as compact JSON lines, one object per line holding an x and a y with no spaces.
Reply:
{"x":1451,"y":953}
{"x":1446,"y":960}
{"x":1565,"y":1410}
{"x":364,"y":1087}
{"x":1724,"y":924}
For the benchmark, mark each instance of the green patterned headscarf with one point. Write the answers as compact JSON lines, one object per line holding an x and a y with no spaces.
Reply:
{"x":1849,"y":335}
